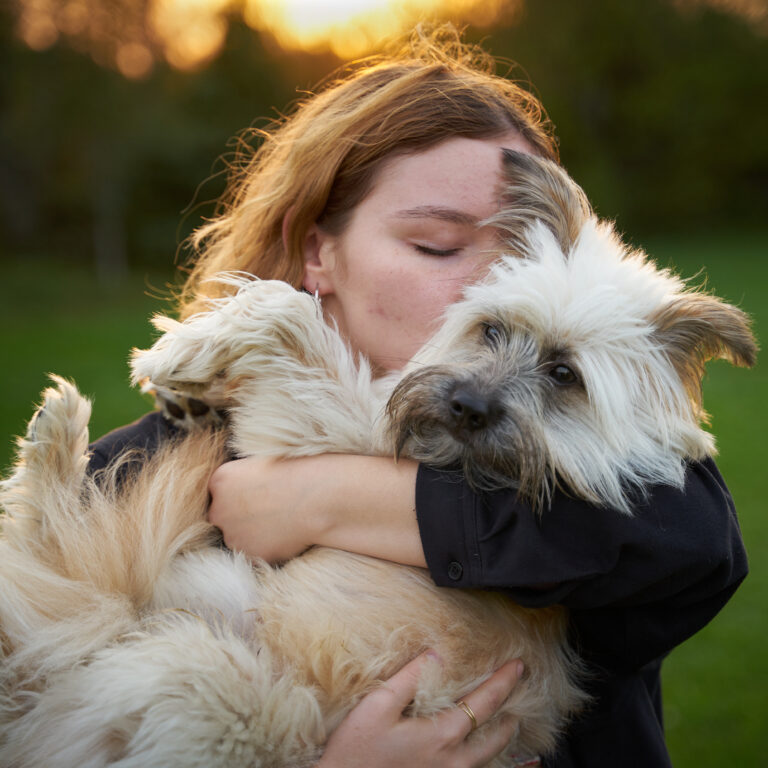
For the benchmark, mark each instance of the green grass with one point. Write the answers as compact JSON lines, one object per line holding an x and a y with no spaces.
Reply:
{"x":57,"y":318}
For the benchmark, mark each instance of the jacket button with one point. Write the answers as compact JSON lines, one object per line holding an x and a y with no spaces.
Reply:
{"x":455,"y":571}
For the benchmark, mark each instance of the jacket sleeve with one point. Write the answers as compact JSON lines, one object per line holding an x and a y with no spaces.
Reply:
{"x":636,"y":585}
{"x":143,"y":436}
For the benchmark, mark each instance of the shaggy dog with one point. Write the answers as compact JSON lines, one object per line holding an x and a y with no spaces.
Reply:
{"x":129,"y":639}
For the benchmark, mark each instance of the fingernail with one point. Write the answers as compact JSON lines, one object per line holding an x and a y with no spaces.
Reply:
{"x":435,"y":656}
{"x":520,"y":669}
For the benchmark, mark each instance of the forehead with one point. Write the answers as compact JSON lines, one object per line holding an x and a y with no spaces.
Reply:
{"x":458,"y":174}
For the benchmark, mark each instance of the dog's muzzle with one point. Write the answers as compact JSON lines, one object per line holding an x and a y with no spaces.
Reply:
{"x":470,"y":411}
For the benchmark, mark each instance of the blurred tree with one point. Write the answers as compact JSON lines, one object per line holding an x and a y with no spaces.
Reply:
{"x":661,"y":115}
{"x":95,"y":165}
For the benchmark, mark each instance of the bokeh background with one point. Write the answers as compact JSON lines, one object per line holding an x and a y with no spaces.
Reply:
{"x":120,"y":118}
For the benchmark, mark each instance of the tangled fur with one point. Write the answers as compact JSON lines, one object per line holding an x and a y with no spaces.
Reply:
{"x":130,"y":639}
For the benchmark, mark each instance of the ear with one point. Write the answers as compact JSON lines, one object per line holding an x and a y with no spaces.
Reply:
{"x":696,"y":327}
{"x":539,"y":190}
{"x":319,"y":261}
{"x":703,"y":325}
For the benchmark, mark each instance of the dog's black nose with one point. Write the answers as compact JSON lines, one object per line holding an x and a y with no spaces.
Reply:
{"x":470,"y":411}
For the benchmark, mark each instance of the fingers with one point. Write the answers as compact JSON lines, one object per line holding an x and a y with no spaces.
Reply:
{"x":395,"y":695}
{"x":484,"y":702}
{"x":479,"y":752}
{"x":376,"y":730}
{"x":487,"y":697}
{"x":398,"y":692}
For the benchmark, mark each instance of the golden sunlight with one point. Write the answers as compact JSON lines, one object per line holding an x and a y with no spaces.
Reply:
{"x":131,"y":35}
{"x":351,"y":28}
{"x":36,"y":25}
{"x":192,"y":31}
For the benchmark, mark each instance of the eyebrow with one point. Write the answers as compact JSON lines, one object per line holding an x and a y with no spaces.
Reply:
{"x":436,"y":212}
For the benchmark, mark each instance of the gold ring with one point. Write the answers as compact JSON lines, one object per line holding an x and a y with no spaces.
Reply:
{"x":462,"y":705}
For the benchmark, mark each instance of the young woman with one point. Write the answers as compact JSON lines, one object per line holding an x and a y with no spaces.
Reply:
{"x":372,"y":195}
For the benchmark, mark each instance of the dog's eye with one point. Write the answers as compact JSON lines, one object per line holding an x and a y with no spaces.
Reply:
{"x":492,"y":334}
{"x":563,"y":375}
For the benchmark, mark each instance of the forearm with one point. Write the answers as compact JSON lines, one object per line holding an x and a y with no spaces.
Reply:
{"x":275,"y":509}
{"x":370,"y":508}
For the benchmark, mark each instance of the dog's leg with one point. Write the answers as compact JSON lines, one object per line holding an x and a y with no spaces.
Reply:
{"x":55,"y":514}
{"x":78,"y":558}
{"x":240,"y":335}
{"x":267,"y":353}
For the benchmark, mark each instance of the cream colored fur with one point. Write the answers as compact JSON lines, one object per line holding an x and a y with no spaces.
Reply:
{"x":178,"y":653}
{"x":129,"y":639}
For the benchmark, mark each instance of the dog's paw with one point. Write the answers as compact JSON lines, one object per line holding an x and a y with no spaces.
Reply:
{"x":199,"y":357}
{"x":184,"y":411}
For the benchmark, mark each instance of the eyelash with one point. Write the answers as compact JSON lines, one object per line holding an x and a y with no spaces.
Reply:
{"x":425,"y":249}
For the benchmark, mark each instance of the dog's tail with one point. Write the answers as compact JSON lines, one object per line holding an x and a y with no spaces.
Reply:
{"x":50,"y":466}
{"x":151,"y":514}
{"x":46,"y":616}
{"x":86,"y":551}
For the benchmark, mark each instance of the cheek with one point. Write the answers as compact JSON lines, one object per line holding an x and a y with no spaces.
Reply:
{"x":396,"y":296}
{"x":424,"y":299}
{"x":381,"y":298}
{"x":436,"y":296}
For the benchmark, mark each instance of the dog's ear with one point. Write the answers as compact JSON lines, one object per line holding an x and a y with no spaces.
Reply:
{"x":535,"y":189}
{"x":696,"y":327}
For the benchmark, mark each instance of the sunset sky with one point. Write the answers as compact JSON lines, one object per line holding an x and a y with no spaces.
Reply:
{"x":188,"y":33}
{"x":131,"y":35}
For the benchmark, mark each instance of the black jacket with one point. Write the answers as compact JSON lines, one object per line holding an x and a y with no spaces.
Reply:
{"x":635,"y":586}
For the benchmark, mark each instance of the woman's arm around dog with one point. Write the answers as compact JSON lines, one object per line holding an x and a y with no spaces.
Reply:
{"x":636,"y":586}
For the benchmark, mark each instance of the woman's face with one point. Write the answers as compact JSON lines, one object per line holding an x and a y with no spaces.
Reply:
{"x":410,"y":246}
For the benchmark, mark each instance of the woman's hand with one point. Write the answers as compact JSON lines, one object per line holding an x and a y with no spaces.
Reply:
{"x":375,"y":733}
{"x":263,"y":507}
{"x":276,"y":508}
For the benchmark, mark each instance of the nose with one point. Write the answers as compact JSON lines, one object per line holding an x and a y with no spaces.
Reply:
{"x":469,"y":410}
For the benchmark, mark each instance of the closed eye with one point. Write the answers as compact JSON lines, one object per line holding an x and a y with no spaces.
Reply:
{"x":429,"y":251}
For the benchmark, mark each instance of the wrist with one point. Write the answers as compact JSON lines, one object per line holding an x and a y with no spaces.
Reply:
{"x":326,"y":491}
{"x":368,"y":507}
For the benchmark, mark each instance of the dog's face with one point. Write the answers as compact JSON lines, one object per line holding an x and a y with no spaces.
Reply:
{"x":576,"y":361}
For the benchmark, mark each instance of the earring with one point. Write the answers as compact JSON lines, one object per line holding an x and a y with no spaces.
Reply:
{"x":317,"y":292}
